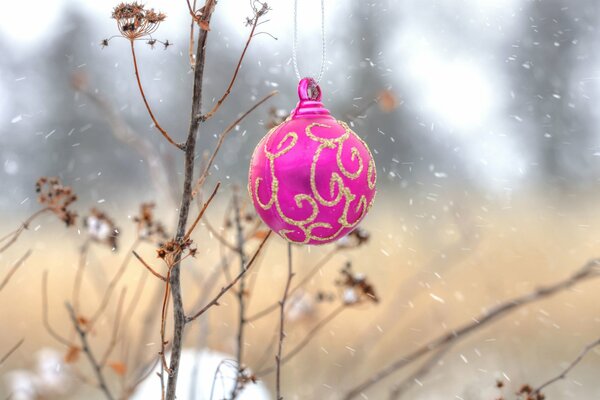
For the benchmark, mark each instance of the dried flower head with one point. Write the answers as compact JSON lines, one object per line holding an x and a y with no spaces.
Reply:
{"x":134,"y":21}
{"x":170,"y":250}
{"x":101,"y":228}
{"x":356,"y":238}
{"x":147,"y":227}
{"x":356,"y":288}
{"x":57,"y":198}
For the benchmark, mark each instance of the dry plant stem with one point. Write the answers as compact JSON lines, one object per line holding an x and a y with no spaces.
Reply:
{"x":241,"y":291}
{"x":15,"y":234}
{"x":267,"y":310}
{"x":222,"y":137}
{"x":400,"y":388}
{"x":588,"y":271}
{"x":85,"y":347}
{"x":281,"y":324}
{"x":79,"y":274}
{"x":113,"y":283}
{"x":235,"y":73}
{"x":148,"y":267}
{"x":45,"y":317}
{"x":224,"y":289}
{"x":14,"y":269}
{"x":572,"y":365}
{"x":313,"y":332}
{"x":11,"y":351}
{"x":115,"y":332}
{"x":179,"y":318}
{"x":139,"y":82}
{"x":202,"y":211}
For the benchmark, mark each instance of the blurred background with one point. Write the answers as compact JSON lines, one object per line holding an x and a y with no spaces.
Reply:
{"x":485,"y":136}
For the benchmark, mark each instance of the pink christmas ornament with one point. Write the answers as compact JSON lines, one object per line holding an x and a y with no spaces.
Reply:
{"x":312,"y":179}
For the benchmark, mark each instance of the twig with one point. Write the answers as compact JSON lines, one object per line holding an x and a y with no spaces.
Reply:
{"x":14,"y":269}
{"x":202,"y":211}
{"x":589,"y":270}
{"x":235,"y":73}
{"x":45,"y":317}
{"x":115,"y":332}
{"x":286,"y":358}
{"x":281,"y":324}
{"x":113,"y":283}
{"x":215,"y":300}
{"x":14,"y":235}
{"x":267,"y":310}
{"x":241,"y":292}
{"x":400,"y":388}
{"x":148,"y":267}
{"x":139,"y":82}
{"x":566,"y":371}
{"x":79,"y":274}
{"x":11,"y":351}
{"x":222,"y":137}
{"x":85,"y":347}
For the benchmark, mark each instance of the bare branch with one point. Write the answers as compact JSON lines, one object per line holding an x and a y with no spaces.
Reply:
{"x":316,"y":268}
{"x":113,"y":283}
{"x":237,"y":70}
{"x":139,"y":82}
{"x":115,"y":332}
{"x":85,"y":347}
{"x":202,"y":211}
{"x":588,"y":271}
{"x":222,"y":137}
{"x":11,"y":351}
{"x":148,"y":267}
{"x":281,"y":324}
{"x":400,"y":388}
{"x":572,"y":365}
{"x":215,"y":300}
{"x":45,"y":317}
{"x":310,"y":336}
{"x":14,"y":235}
{"x":14,"y":269}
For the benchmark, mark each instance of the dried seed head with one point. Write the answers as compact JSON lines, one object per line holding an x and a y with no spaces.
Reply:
{"x":57,"y":198}
{"x":356,"y":288}
{"x":101,"y":228}
{"x":134,"y":21}
{"x":148,"y":228}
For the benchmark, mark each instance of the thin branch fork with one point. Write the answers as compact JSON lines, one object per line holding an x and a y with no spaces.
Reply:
{"x":222,"y":137}
{"x":572,"y":365}
{"x":14,"y":235}
{"x":85,"y":347}
{"x":588,"y":271}
{"x":217,"y":105}
{"x":215,"y":300}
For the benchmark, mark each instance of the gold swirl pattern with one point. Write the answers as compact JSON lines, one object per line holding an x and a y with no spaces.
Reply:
{"x":338,"y":190}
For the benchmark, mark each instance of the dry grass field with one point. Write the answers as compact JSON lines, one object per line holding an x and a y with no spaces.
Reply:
{"x":435,"y":264}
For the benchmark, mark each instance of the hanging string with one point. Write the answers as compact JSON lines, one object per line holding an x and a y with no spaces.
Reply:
{"x":295,"y":42}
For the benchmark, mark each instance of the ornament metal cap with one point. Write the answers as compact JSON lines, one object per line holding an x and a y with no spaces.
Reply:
{"x":309,"y":93}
